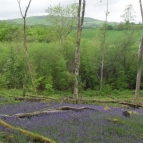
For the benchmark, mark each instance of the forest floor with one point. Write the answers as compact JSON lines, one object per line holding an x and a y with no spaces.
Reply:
{"x":56,"y":119}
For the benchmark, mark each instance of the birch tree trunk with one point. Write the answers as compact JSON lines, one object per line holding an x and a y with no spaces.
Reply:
{"x":103,"y":50}
{"x":28,"y":67}
{"x":140,"y":51}
{"x":77,"y":53}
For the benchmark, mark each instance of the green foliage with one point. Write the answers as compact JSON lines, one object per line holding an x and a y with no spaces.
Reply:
{"x":39,"y":33}
{"x":52,"y":62}
{"x":9,"y":32}
{"x":49,"y":85}
{"x":62,"y":19}
{"x":110,"y":27}
{"x":50,"y":68}
{"x":12,"y":32}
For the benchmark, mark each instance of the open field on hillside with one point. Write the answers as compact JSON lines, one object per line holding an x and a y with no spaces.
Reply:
{"x":112,"y":35}
{"x":43,"y":20}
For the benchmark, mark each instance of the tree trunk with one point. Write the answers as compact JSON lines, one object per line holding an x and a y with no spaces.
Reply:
{"x":103,"y":50}
{"x":140,"y":51}
{"x":28,"y":67}
{"x":138,"y":78}
{"x":77,"y":53}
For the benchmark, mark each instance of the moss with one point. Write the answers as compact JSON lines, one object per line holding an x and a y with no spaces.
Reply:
{"x":114,"y":120}
{"x":6,"y":136}
{"x":38,"y":138}
{"x":106,"y":108}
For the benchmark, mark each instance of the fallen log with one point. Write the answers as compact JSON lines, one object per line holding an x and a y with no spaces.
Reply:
{"x":29,"y":99}
{"x":37,"y":113}
{"x":131,"y":104}
{"x":29,"y":115}
{"x":61,"y":109}
{"x":75,"y":109}
{"x":113,"y":101}
{"x":36,"y":138}
{"x":35,"y":99}
{"x":111,"y":97}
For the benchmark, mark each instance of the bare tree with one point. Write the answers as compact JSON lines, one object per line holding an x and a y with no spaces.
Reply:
{"x":77,"y":52}
{"x":103,"y":49}
{"x":140,"y":51}
{"x":28,"y":67}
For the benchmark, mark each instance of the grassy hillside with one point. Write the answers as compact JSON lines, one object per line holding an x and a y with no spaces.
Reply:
{"x":31,"y":20}
{"x":90,"y":22}
{"x":112,"y":35}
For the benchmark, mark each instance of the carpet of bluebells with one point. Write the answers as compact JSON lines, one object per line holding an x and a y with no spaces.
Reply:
{"x":85,"y":126}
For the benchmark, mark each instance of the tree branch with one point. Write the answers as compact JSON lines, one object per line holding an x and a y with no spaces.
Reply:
{"x":20,"y":8}
{"x":27,"y":8}
{"x":83,"y":12}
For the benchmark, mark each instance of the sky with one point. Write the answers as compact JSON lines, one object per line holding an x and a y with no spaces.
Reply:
{"x":9,"y":9}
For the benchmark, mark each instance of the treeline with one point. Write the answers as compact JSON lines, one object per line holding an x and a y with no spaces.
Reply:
{"x":116,"y":26}
{"x":41,"y":33}
{"x":52,"y":62}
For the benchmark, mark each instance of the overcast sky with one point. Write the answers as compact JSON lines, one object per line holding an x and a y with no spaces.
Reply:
{"x":94,"y":8}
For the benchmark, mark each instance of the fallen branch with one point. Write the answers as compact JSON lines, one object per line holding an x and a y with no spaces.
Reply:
{"x":131,"y":104}
{"x":66,"y":99}
{"x":36,"y":138}
{"x":62,"y":101}
{"x":38,"y":113}
{"x":111,"y":97}
{"x":35,"y":99}
{"x":113,"y":101}
{"x":75,"y":109}
{"x":29,"y":99}
{"x":29,"y":115}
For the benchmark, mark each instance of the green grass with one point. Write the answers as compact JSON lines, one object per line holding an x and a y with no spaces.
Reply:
{"x":125,"y":95}
{"x":112,"y":35}
{"x":91,"y":34}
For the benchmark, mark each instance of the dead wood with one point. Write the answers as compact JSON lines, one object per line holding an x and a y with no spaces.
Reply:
{"x":29,"y":99}
{"x":113,"y":101}
{"x":75,"y":109}
{"x":111,"y":97}
{"x":66,"y":99}
{"x":4,"y":116}
{"x":29,"y":115}
{"x":36,"y":138}
{"x":130,"y":104}
{"x":38,"y":113}
{"x":36,"y":99}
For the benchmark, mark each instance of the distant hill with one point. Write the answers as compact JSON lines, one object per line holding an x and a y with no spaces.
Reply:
{"x":43,"y":20}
